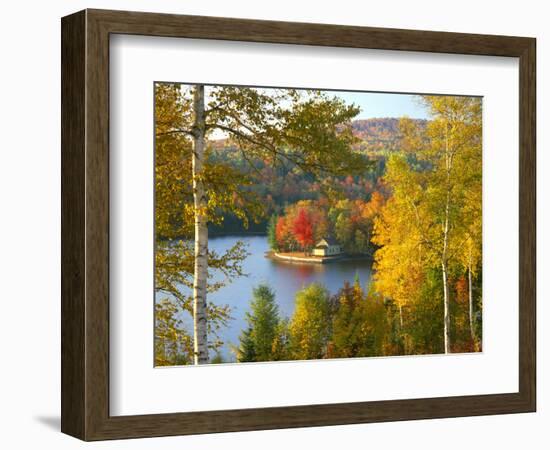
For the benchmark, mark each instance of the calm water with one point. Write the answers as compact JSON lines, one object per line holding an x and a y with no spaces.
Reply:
{"x":285,"y":279}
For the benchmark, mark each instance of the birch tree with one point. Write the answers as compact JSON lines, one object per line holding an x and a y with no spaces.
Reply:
{"x":427,"y":214}
{"x":309,"y":130}
{"x":174,"y":213}
{"x":455,"y":149}
{"x":471,"y":254}
{"x":200,"y":330}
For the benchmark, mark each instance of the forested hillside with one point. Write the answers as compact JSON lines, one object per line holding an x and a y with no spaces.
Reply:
{"x":374,"y":134}
{"x":284,"y":185}
{"x":380,"y":134}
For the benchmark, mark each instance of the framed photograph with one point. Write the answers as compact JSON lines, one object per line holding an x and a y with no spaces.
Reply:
{"x":272,"y":225}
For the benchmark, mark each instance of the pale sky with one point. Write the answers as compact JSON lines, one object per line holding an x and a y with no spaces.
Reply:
{"x":374,"y":104}
{"x":377,"y":104}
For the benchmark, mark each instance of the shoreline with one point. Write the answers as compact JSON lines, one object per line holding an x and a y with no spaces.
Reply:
{"x":237,"y":234}
{"x":217,"y":234}
{"x":315,"y":259}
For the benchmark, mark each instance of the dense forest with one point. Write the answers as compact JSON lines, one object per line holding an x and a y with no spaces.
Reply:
{"x":282,"y":186}
{"x":349,"y":221}
{"x":299,"y":167}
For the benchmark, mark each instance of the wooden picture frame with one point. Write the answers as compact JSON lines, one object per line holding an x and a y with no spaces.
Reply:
{"x":85,"y":224}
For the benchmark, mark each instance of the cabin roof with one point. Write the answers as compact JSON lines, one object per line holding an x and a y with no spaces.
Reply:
{"x":326,"y":241}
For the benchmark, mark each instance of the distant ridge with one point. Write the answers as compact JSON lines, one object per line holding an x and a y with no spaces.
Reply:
{"x":380,"y":133}
{"x":376,"y":134}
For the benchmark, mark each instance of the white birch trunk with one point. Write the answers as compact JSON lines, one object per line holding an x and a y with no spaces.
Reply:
{"x":446,"y":315}
{"x":445,"y":273}
{"x":444,"y":253}
{"x":200,"y":329}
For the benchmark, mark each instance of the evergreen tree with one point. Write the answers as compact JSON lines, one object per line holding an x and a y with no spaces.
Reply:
{"x":272,"y":234}
{"x":263,"y":321}
{"x":246,"y":351}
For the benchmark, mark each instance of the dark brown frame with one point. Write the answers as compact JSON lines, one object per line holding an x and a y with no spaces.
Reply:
{"x":85,"y":224}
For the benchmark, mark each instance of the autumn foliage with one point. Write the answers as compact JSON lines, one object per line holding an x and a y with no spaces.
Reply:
{"x":306,"y":222}
{"x":404,"y":194}
{"x":302,"y":228}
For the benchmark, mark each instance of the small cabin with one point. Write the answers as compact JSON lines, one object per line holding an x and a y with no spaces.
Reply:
{"x":327,"y":247}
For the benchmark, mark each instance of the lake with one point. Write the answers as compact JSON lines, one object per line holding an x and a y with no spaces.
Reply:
{"x":283,"y":277}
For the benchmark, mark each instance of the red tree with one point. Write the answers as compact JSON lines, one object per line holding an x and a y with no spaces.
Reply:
{"x":303,"y":229}
{"x":281,"y":232}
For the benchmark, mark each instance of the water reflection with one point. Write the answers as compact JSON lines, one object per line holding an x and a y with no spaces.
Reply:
{"x":285,"y":279}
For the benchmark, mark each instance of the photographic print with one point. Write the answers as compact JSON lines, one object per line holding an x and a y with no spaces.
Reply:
{"x":303,"y":224}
